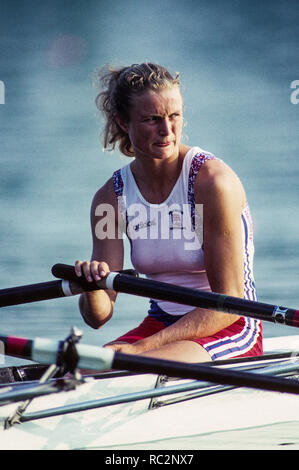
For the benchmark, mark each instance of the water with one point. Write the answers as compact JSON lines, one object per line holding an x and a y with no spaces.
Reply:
{"x":237,"y":61}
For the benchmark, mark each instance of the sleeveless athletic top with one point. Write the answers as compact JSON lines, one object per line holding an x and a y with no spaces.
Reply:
{"x":166,"y":239}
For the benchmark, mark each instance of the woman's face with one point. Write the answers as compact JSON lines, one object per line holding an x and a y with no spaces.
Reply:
{"x":156,"y":122}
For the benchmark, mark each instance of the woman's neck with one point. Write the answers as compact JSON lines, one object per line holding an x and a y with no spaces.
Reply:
{"x":156,"y":178}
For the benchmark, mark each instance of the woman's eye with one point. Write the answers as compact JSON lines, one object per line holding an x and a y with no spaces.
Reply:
{"x":150,"y":119}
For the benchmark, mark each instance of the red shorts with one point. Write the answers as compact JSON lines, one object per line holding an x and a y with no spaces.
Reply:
{"x":242,"y":338}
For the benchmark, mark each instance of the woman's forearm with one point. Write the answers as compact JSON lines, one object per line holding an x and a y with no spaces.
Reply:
{"x":198,"y":323}
{"x":96,"y":308}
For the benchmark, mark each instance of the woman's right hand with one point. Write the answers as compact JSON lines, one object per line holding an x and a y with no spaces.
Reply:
{"x":92,"y":270}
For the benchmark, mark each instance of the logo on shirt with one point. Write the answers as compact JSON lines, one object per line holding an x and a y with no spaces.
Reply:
{"x":140,"y":225}
{"x":176,"y":220}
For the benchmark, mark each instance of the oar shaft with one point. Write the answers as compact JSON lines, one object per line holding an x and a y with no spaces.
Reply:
{"x":16,"y":346}
{"x":207,"y":300}
{"x":183,"y":295}
{"x":126,"y":283}
{"x":204,"y":372}
{"x":45,"y":351}
{"x":66,"y":286}
{"x":31,"y":293}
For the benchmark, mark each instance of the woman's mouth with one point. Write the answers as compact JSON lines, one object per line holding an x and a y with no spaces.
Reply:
{"x":163,"y":144}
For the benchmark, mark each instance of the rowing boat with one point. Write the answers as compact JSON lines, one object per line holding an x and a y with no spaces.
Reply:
{"x":146,"y":411}
{"x":132,"y":402}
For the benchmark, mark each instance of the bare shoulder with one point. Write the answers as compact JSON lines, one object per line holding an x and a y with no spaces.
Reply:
{"x":217,"y":179}
{"x":104,"y":205}
{"x":105,"y":195}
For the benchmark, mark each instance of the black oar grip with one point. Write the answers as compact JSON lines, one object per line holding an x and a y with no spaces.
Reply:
{"x":67,"y":272}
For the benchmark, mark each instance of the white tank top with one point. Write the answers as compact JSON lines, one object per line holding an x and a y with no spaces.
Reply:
{"x":166,"y":238}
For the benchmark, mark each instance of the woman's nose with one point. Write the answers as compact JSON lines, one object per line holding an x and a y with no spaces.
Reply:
{"x":165,"y":127}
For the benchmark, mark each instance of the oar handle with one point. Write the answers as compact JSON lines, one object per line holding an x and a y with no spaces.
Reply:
{"x":69,"y":284}
{"x":65,"y":271}
{"x":68,"y":273}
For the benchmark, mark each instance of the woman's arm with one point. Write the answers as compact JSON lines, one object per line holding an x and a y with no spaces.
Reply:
{"x":223,"y":198}
{"x":96,"y":307}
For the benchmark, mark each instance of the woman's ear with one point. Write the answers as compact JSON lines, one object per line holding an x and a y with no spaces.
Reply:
{"x":123,"y":124}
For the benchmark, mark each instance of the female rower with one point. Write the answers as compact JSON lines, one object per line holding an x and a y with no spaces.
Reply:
{"x":157,"y":200}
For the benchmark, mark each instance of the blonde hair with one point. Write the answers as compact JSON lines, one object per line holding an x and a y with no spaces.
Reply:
{"x":118,"y":87}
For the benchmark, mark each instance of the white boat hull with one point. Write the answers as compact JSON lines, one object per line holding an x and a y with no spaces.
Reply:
{"x":240,"y":418}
